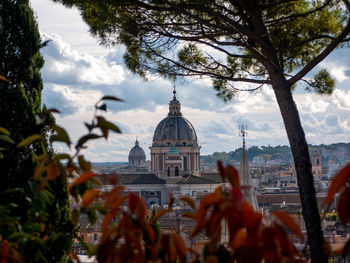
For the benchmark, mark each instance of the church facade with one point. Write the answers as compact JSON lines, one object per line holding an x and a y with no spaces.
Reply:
{"x":175,"y":163}
{"x":175,"y":150}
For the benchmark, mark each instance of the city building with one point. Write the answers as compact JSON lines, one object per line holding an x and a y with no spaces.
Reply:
{"x":175,"y":165}
{"x":137,"y":155}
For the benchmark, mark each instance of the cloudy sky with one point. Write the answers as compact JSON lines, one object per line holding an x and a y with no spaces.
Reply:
{"x":78,"y":72}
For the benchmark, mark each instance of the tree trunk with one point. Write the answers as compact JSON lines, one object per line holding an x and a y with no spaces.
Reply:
{"x":302,"y":162}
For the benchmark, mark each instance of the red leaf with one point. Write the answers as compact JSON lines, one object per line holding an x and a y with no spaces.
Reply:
{"x":39,"y":169}
{"x":4,"y":251}
{"x":251,"y":218}
{"x":52,"y":171}
{"x":84,"y":177}
{"x":221,"y":169}
{"x":189,"y":215}
{"x":339,"y":180}
{"x":236,"y":196}
{"x":137,"y":206}
{"x":113,"y":195}
{"x":89,"y":196}
{"x":239,"y":238}
{"x":344,"y":206}
{"x":180,"y":246}
{"x":189,"y":201}
{"x":106,"y":220}
{"x":289,"y":222}
{"x":232,"y":174}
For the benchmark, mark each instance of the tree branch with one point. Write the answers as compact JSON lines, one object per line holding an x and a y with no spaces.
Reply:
{"x":325,"y":52}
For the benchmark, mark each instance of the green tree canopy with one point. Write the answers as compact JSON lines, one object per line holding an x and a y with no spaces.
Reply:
{"x":257,"y":42}
{"x":20,"y":97}
{"x":20,"y":106}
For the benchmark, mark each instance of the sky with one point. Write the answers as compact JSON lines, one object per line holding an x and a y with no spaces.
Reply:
{"x":78,"y":72}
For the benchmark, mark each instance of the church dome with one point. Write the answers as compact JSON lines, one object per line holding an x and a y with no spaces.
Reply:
{"x":175,"y":129}
{"x":136,"y":155}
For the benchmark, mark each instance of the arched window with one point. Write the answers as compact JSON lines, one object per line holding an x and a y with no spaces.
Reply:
{"x":318,"y":161}
{"x":176,"y":171}
{"x":95,"y":236}
{"x":168,"y":171}
{"x":152,"y":194}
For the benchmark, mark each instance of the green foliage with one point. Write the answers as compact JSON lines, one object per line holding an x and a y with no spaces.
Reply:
{"x":20,"y":95}
{"x":323,"y":83}
{"x":270,"y":152}
{"x":227,"y":41}
{"x":31,"y":213}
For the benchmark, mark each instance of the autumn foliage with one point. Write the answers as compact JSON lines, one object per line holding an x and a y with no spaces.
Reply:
{"x":128,"y":233}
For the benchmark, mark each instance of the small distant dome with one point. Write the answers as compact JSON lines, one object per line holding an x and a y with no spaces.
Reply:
{"x":175,"y":129}
{"x":137,"y":155}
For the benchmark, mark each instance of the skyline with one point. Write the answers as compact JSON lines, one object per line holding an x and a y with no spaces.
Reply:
{"x":78,"y":72}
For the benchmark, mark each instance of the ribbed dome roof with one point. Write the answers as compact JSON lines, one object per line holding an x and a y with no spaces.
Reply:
{"x":175,"y":127}
{"x":137,"y":153}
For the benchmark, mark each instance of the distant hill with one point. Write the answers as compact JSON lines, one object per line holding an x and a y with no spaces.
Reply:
{"x":106,"y":164}
{"x":338,"y":151}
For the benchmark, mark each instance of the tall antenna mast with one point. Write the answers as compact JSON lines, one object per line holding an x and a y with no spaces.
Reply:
{"x":243,"y":132}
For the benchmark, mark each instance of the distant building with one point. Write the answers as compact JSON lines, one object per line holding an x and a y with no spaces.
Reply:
{"x":174,"y":165}
{"x":137,"y":155}
{"x":317,"y":168}
{"x":175,"y":150}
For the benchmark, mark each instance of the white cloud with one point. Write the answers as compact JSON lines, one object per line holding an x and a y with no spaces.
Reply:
{"x":65,"y":65}
{"x":78,"y":72}
{"x":311,"y":103}
{"x":342,"y":99}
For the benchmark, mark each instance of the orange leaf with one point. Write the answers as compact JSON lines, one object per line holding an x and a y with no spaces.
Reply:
{"x":233,"y":176}
{"x":189,"y":214}
{"x":179,"y":244}
{"x":118,"y":202}
{"x":75,"y":257}
{"x":3,"y":78}
{"x":4,"y":251}
{"x":52,"y":171}
{"x":189,"y":201}
{"x":221,"y":169}
{"x":214,"y":222}
{"x":338,"y":181}
{"x":106,"y":220}
{"x":137,"y":206}
{"x":157,"y":215}
{"x":39,"y":169}
{"x":289,"y":222}
{"x":344,"y":206}
{"x":113,"y":195}
{"x":251,"y":218}
{"x":239,"y":238}
{"x":84,"y":177}
{"x":89,"y":196}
